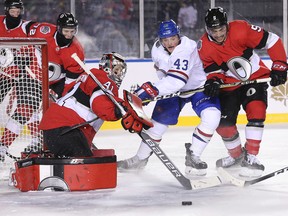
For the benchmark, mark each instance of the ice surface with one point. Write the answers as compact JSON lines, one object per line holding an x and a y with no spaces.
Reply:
{"x":154,"y":191}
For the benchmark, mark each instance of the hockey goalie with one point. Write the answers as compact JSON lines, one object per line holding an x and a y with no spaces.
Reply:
{"x":70,"y":124}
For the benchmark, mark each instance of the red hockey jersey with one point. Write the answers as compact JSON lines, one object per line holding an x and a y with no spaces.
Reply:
{"x":84,"y":101}
{"x":59,"y":55}
{"x":242,"y":39}
{"x":19,"y":31}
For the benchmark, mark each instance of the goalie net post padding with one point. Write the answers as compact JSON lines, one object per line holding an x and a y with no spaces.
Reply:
{"x":24,"y":97}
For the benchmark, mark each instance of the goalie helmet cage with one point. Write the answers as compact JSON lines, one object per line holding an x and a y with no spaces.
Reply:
{"x":24,"y":92}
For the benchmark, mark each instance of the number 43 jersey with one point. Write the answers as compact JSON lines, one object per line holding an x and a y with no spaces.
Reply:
{"x":180,"y":70}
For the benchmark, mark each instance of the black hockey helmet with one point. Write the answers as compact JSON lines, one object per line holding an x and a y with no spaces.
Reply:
{"x":114,"y":65}
{"x":13,"y":3}
{"x":66,"y":20}
{"x":215,"y":17}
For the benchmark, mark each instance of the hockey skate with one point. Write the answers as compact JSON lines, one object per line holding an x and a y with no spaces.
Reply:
{"x":133,"y":163}
{"x":229,"y":161}
{"x":251,"y":166}
{"x":194,"y":165}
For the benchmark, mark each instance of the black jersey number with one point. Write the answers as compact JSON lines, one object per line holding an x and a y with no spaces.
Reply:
{"x":181,"y":65}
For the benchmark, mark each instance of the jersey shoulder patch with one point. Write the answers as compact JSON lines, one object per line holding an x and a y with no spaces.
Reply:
{"x":45,"y":29}
{"x":199,"y":44}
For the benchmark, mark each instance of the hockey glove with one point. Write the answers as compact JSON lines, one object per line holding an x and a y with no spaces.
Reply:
{"x":132,"y":122}
{"x":278,"y":73}
{"x":147,"y":92}
{"x":212,"y":87}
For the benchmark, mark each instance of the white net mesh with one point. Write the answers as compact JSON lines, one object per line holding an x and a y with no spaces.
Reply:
{"x":21,"y":98}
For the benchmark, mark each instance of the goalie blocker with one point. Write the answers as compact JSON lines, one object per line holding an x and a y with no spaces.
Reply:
{"x":135,"y":119}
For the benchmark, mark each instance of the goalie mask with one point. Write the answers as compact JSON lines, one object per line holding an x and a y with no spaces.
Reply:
{"x":115,"y":66}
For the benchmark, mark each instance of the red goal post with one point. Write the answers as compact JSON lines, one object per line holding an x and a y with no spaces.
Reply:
{"x":24,"y":91}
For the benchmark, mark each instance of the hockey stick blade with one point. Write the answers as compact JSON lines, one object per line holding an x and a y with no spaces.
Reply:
{"x":186,"y":183}
{"x":206,"y":182}
{"x":243,"y":183}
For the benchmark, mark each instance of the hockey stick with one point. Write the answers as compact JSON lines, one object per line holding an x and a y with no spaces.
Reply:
{"x":188,"y":184}
{"x":185,"y":182}
{"x":192,"y":91}
{"x":78,"y":126}
{"x":243,"y":183}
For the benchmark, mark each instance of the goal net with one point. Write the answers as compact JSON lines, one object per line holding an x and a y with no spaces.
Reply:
{"x":23,"y":95}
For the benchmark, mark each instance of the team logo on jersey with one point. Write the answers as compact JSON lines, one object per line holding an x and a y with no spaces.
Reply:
{"x":199,"y":44}
{"x":45,"y":29}
{"x":280,"y":93}
{"x":240,"y":67}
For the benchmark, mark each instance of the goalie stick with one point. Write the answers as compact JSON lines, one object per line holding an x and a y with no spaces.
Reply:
{"x":186,"y":183}
{"x":243,"y":183}
{"x":192,"y":91}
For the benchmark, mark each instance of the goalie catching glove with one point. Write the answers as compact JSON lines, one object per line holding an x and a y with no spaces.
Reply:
{"x":278,"y":73}
{"x":135,"y":119}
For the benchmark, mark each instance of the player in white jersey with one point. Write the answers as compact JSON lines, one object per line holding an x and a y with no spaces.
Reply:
{"x":179,"y":68}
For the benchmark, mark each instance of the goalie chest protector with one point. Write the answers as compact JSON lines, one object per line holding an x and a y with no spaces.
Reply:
{"x":73,"y":174}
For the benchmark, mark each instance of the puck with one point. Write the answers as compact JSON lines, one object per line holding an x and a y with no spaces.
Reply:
{"x":186,"y":203}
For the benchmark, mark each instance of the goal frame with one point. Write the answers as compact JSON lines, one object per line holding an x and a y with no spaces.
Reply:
{"x":41,"y":42}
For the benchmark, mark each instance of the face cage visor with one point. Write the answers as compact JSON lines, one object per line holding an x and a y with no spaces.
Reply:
{"x":115,"y":68}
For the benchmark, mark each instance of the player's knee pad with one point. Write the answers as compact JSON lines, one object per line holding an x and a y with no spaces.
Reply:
{"x":156,"y":132}
{"x":210,"y":118}
{"x":228,"y":133}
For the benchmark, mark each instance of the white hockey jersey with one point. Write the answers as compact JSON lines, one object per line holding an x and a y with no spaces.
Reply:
{"x":179,"y":71}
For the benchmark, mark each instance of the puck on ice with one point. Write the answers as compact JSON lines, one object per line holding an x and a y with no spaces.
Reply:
{"x":186,"y":202}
